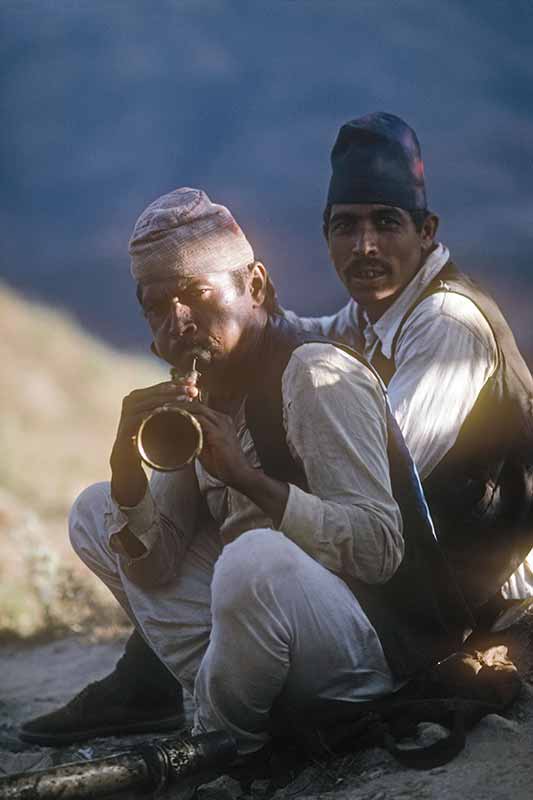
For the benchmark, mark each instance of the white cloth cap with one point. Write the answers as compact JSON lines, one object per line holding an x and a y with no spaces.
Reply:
{"x":183,"y":233}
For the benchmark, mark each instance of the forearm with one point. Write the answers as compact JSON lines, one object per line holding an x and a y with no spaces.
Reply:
{"x":267,"y":493}
{"x":128,"y":487}
{"x":128,"y":479}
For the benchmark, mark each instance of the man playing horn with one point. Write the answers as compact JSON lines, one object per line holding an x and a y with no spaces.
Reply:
{"x":295,"y":561}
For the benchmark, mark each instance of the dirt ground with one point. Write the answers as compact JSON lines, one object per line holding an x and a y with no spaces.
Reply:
{"x":497,"y":762}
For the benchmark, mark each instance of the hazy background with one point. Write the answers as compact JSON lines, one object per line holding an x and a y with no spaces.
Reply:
{"x":109,"y":104}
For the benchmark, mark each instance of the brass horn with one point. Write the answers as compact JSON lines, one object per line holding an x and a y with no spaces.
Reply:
{"x":170,"y":437}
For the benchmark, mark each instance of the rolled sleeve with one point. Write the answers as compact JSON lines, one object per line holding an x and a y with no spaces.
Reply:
{"x":164,"y":522}
{"x":141,"y":520}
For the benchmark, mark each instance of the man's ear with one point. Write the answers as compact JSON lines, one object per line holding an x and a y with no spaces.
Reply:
{"x":429,"y":231}
{"x":258,"y":283}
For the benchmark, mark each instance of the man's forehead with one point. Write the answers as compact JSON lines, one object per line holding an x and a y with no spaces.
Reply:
{"x":180,"y":283}
{"x":363,"y":209}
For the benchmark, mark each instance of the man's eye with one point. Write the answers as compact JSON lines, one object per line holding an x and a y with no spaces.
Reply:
{"x":193,"y":294}
{"x":388,"y":221}
{"x":341,"y":226}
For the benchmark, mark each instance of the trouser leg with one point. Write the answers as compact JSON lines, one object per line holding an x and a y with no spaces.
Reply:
{"x":139,"y":664}
{"x":282,"y":625}
{"x":174,"y":619}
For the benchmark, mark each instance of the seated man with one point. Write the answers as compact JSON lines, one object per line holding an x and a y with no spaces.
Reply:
{"x":295,"y":560}
{"x":457,"y":384}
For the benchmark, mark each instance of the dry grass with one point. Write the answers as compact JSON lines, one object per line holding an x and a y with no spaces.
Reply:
{"x":60,"y":395}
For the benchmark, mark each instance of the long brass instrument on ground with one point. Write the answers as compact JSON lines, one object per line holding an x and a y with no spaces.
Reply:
{"x":144,"y":770}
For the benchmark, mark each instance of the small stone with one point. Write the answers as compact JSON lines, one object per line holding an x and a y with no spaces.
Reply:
{"x":223,"y":788}
{"x":375,"y":773}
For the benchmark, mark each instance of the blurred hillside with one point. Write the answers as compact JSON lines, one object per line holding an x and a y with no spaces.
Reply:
{"x":60,"y":395}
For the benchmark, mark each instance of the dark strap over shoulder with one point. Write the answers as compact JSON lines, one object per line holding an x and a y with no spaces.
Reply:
{"x":264,"y":404}
{"x":445,"y":281}
{"x":481,"y":492}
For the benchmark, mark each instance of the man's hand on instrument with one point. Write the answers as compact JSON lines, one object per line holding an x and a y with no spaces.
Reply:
{"x":222,"y":457}
{"x":140,"y":403}
{"x":128,"y":482}
{"x":222,"y":454}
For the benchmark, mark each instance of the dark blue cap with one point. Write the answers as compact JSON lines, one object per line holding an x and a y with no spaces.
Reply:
{"x":377,"y":159}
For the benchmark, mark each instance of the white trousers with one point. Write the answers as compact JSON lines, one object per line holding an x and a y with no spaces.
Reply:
{"x":242,"y":626}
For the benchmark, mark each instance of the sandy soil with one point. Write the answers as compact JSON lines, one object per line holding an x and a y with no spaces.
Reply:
{"x":497,"y":762}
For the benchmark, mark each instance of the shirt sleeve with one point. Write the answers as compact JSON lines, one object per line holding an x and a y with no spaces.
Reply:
{"x":446,"y":352}
{"x":334,"y":414}
{"x":163,"y":523}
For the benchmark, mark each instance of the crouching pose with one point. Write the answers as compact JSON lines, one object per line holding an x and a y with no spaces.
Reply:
{"x":295,"y":559}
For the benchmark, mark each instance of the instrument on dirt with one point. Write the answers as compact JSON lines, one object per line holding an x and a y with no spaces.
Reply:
{"x":145,"y":770}
{"x":171,"y":437}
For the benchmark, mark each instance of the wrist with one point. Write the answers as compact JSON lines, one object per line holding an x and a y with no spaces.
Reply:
{"x":129,"y":494}
{"x":128,"y":482}
{"x":268,"y":493}
{"x":125,"y":453}
{"x":246,"y":479}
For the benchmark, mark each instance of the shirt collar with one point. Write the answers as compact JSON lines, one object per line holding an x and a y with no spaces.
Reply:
{"x":387,"y":325}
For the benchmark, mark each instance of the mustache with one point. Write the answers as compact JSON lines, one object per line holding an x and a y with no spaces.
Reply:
{"x":362,"y":264}
{"x":184,"y":353}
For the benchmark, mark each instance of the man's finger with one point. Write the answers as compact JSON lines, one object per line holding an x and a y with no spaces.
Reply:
{"x":166,"y":386}
{"x":210,"y":414}
{"x":155,"y":401}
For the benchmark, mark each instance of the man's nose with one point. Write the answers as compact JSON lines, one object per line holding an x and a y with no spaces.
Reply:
{"x":181,"y":319}
{"x":365,"y":241}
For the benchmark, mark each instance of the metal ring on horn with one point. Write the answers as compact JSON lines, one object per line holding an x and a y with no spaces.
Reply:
{"x":169,"y":439}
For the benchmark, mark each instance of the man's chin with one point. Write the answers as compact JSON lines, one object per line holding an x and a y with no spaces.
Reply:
{"x":368,"y":294}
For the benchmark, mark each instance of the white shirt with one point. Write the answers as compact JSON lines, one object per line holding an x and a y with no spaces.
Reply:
{"x":444,"y":355}
{"x":335,"y":418}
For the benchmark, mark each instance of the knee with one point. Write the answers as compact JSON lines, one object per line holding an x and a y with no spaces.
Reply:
{"x":86,"y":518}
{"x":257,"y":564}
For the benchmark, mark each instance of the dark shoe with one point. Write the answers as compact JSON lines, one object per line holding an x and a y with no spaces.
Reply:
{"x":122,"y":703}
